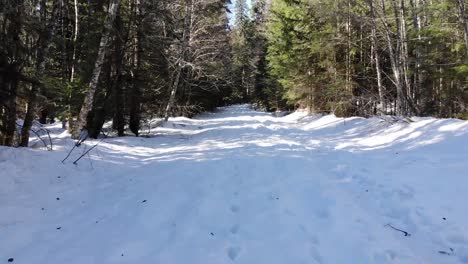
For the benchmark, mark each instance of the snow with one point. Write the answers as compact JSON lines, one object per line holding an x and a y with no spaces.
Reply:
{"x":240,"y":186}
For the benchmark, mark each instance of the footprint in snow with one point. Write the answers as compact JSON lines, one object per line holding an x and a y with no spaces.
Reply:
{"x":316,"y":256}
{"x":463,"y":255}
{"x":234,"y":229}
{"x":235,"y":208}
{"x":322,"y":213}
{"x":312,"y":238}
{"x":233,"y":252}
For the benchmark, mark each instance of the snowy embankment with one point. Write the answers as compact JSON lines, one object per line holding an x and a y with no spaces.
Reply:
{"x":239,"y":186}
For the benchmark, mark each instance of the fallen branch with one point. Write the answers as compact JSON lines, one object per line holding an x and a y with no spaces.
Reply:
{"x":69,"y":153}
{"x":78,"y":143}
{"x":84,"y":154}
{"x":446,"y":253}
{"x":50,"y":138}
{"x":39,"y":136}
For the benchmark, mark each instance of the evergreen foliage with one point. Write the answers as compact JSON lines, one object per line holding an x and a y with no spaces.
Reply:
{"x":85,"y":63}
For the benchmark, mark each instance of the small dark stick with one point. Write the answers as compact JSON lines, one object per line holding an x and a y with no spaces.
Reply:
{"x":50,"y":139}
{"x":69,"y":153}
{"x":84,"y":154}
{"x":446,"y":253}
{"x":39,"y":137}
{"x":82,"y":137}
{"x":404,"y":232}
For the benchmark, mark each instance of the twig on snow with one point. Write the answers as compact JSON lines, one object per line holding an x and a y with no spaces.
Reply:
{"x":69,"y":153}
{"x":84,"y":154}
{"x":447,"y":253}
{"x":402,"y":231}
{"x":39,"y":136}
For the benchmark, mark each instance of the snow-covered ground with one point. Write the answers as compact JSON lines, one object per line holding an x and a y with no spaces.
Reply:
{"x":239,"y":186}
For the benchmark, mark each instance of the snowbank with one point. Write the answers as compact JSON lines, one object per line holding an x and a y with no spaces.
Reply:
{"x":239,"y":186}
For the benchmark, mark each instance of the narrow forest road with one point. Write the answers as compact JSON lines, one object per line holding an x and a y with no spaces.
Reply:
{"x":240,"y":186}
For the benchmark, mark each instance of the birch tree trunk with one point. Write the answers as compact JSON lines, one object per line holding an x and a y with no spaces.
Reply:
{"x":349,"y":47}
{"x":377,"y":56}
{"x":75,"y":39}
{"x":405,"y":64}
{"x":174,"y":87}
{"x":394,"y":60}
{"x":418,"y":78}
{"x":401,"y":102}
{"x":180,"y":60}
{"x":88,"y":101}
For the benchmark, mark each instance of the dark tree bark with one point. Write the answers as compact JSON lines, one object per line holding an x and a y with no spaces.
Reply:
{"x":463,"y":22}
{"x":118,"y":102}
{"x":11,"y":71}
{"x":89,"y":98}
{"x":47,"y":31}
{"x":135,"y":95}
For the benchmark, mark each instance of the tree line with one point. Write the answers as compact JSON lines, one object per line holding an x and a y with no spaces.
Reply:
{"x":127,"y":61}
{"x":88,"y":62}
{"x":368,"y":57}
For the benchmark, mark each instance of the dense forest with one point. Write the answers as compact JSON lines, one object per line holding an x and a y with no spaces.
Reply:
{"x":86,"y":63}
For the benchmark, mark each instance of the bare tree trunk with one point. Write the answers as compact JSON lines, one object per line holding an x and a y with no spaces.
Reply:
{"x":134,"y":122}
{"x":76,"y":30}
{"x":42,"y":55}
{"x":75,"y":40}
{"x":404,"y":55}
{"x":10,"y":113}
{"x":88,"y":101}
{"x":11,"y":72}
{"x":394,"y":60}
{"x":180,"y":60}
{"x":118,"y":121}
{"x":401,"y":100}
{"x":418,"y":75}
{"x":175,"y":85}
{"x":462,"y":17}
{"x":349,"y":47}
{"x":377,"y":57}
{"x":64,"y":31}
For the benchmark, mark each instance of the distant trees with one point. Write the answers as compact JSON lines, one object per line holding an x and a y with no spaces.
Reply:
{"x":199,"y":55}
{"x":252,"y":80}
{"x":363,"y":57}
{"x":243,"y":67}
{"x":89,"y":62}
{"x":87,"y":105}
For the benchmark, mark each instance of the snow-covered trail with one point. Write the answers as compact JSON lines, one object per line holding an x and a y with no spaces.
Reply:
{"x":240,"y":186}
